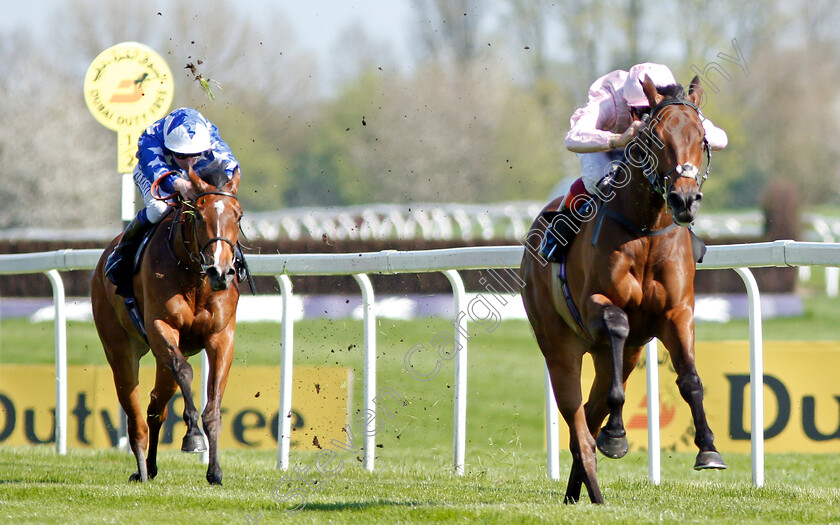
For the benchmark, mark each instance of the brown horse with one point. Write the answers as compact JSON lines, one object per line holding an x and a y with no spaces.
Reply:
{"x":629,"y":277}
{"x":187,"y":292}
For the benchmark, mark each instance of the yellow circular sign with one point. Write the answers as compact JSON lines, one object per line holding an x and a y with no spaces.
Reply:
{"x":128,"y":87}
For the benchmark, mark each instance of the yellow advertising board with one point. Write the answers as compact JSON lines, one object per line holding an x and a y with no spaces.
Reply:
{"x":801,"y":398}
{"x":320,"y":401}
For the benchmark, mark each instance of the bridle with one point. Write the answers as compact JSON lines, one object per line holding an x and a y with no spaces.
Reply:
{"x":198,"y":256}
{"x":662,"y":183}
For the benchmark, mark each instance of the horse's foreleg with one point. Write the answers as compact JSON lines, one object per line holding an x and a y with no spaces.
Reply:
{"x":612,"y":439}
{"x":183,"y":372}
{"x":164,"y":340}
{"x":165,"y":387}
{"x":212,"y":416}
{"x":678,"y":338}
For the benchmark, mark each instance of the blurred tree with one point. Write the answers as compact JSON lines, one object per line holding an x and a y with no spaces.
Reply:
{"x":59,"y":165}
{"x":264,"y":89}
{"x":479,"y":118}
{"x":449,"y":31}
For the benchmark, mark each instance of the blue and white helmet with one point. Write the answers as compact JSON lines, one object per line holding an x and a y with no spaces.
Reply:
{"x":185,"y":131}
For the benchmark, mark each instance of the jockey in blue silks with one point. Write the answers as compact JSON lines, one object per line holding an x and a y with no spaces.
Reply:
{"x":182,"y":140}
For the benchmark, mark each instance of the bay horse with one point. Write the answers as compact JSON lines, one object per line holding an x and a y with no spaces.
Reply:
{"x":187,"y":291}
{"x":628,"y":276}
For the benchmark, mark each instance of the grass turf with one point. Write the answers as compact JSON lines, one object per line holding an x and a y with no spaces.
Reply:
{"x":505,"y":478}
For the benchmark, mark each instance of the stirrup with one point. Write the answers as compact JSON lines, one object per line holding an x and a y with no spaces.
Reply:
{"x":549,"y":247}
{"x":136,"y":317}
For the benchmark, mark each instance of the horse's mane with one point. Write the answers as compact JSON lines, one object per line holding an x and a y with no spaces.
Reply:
{"x":670,"y":92}
{"x":213,"y":172}
{"x":675,"y":91}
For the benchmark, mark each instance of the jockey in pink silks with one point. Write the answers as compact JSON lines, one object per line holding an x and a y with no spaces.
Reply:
{"x":605,"y":125}
{"x":602,"y":128}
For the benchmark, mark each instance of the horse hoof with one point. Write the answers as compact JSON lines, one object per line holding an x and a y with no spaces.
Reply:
{"x":136,"y":477}
{"x":710,"y":459}
{"x":612,"y":447}
{"x":214,"y":480}
{"x":193,"y":443}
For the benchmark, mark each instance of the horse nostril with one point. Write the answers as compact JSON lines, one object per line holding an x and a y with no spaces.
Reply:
{"x":676,"y":201}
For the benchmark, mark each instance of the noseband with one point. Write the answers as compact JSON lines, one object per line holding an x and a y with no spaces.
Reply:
{"x":199,"y":257}
{"x":661,"y":182}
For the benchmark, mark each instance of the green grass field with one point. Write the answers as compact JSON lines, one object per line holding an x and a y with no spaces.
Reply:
{"x":505,"y":480}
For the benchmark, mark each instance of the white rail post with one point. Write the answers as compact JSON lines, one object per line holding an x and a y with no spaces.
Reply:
{"x":756,"y":377}
{"x":122,"y":430}
{"x":369,"y":330}
{"x":284,"y":419}
{"x":832,"y":278}
{"x":459,"y":438}
{"x":552,"y":429}
{"x":60,"y":361}
{"x":654,"y":459}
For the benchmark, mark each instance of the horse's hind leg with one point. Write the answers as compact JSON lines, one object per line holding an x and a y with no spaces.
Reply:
{"x":584,"y":461}
{"x":165,"y":387}
{"x":678,"y":338}
{"x":123,"y":354}
{"x":128,"y":392}
{"x":564,"y":370}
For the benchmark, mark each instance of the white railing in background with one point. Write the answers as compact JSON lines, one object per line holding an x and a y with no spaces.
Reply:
{"x":739,"y":257}
{"x":464,"y":222}
{"x":436,"y":221}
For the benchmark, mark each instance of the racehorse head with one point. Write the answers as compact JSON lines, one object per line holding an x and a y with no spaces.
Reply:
{"x":215,"y":216}
{"x":674,"y":144}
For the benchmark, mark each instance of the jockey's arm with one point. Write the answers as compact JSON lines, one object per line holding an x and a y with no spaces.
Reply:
{"x":589,"y":124}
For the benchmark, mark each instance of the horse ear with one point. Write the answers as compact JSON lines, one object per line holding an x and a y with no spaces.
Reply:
{"x":695,"y":91}
{"x":653,"y":96}
{"x":233,"y":185}
{"x":199,"y":185}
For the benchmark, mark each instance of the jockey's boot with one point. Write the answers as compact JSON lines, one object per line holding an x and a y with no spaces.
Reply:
{"x":565,"y":223}
{"x":119,"y":266}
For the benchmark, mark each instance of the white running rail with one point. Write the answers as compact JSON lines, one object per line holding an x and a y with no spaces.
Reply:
{"x":739,"y":257}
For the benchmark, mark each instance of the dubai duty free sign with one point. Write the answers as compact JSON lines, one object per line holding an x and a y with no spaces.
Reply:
{"x":128,"y":87}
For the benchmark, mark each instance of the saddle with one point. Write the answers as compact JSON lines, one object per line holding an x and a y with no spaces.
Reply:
{"x":128,"y":287}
